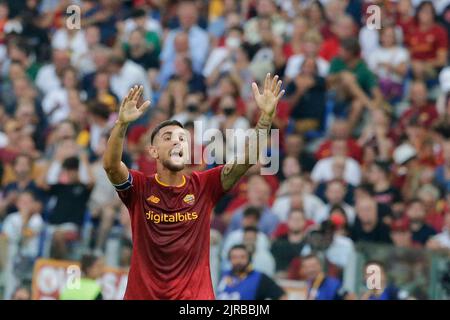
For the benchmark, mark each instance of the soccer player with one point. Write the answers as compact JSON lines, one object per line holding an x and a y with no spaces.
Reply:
{"x":170,"y":212}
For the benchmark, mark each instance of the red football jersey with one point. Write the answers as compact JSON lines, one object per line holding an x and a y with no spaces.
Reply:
{"x":170,"y":231}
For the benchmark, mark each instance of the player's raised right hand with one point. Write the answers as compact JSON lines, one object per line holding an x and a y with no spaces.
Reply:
{"x":129,"y":110}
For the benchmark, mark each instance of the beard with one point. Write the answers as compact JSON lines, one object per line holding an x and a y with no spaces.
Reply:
{"x":239,"y":268}
{"x":173,"y":166}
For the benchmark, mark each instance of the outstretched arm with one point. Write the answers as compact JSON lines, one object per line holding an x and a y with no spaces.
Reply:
{"x":116,"y":170}
{"x":267,"y":102}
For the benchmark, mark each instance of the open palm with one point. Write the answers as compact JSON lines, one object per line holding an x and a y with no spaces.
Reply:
{"x":268,"y":100}
{"x":129,"y":110}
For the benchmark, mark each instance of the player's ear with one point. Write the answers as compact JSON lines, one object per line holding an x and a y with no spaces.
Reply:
{"x":153,"y":152}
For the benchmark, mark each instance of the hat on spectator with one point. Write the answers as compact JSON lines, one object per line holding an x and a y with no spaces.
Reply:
{"x":404,"y":153}
{"x":444,"y":79}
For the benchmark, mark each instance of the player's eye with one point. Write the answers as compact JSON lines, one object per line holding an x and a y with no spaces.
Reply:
{"x":166,"y":138}
{"x":182,"y":138}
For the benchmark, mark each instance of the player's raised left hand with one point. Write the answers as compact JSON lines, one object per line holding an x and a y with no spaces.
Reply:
{"x":268,"y":100}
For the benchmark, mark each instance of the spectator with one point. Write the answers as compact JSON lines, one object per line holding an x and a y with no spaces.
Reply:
{"x":386,"y":291}
{"x":390,"y":63}
{"x":23,"y":228}
{"x":21,"y":293}
{"x":311,"y":42}
{"x":183,"y":71}
{"x":441,"y":240}
{"x":401,"y":234}
{"x":265,"y":9}
{"x":337,"y":166}
{"x":295,"y":147}
{"x":126,"y":73}
{"x":342,"y":27}
{"x":421,"y":232}
{"x":356,"y":86}
{"x":56,"y":103}
{"x":384,"y":192}
{"x":427,"y":42}
{"x":339,"y":130}
{"x":288,"y":246}
{"x":442,"y":172}
{"x":368,"y":225}
{"x":307,"y":98}
{"x":104,"y":203}
{"x":218,"y":23}
{"x":258,"y":195}
{"x":297,"y":197}
{"x":251,"y":218}
{"x":139,"y":52}
{"x":421,"y":109}
{"x":244,"y":283}
{"x":335,"y":192}
{"x":320,"y":286}
{"x":262,"y":259}
{"x":92,"y":267}
{"x":67,"y":215}
{"x":22,"y":167}
{"x":48,"y":77}
{"x":198,"y":42}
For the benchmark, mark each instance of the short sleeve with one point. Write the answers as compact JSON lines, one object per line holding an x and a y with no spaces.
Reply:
{"x":212,"y":184}
{"x":268,"y":289}
{"x":335,"y":66}
{"x":441,"y":38}
{"x":130,"y":190}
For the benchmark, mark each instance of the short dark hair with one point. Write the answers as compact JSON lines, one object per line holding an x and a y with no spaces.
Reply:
{"x":352,"y":46}
{"x":71,"y":163}
{"x":251,"y":229}
{"x":87,"y":261}
{"x":238,"y":247}
{"x":420,"y":8}
{"x":163,"y":124}
{"x":383,"y":165}
{"x":252,"y":211}
{"x":99,"y":109}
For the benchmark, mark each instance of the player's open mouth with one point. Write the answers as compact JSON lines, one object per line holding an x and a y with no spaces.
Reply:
{"x":176,"y":152}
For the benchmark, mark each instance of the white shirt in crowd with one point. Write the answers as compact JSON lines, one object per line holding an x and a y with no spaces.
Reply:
{"x":323,"y":171}
{"x":151,"y":25}
{"x":369,"y":41}
{"x":341,"y":251}
{"x":47,"y":80}
{"x":12,"y":228}
{"x":312,"y":207}
{"x":76,"y":44}
{"x":443,"y":238}
{"x":131,"y":74}
{"x":395,"y":56}
{"x":295,"y":62}
{"x":262,"y":259}
{"x":56,"y":105}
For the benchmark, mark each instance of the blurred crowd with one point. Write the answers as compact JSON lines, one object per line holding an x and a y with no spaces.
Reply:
{"x":364,"y":126}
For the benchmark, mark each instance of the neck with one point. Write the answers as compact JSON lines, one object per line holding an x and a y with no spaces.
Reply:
{"x":425,"y":25}
{"x":137,"y":50}
{"x":170,"y":178}
{"x":381,"y":185}
{"x":23,"y":181}
{"x":353,"y":62}
{"x":295,"y":236}
{"x":368,"y":226}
